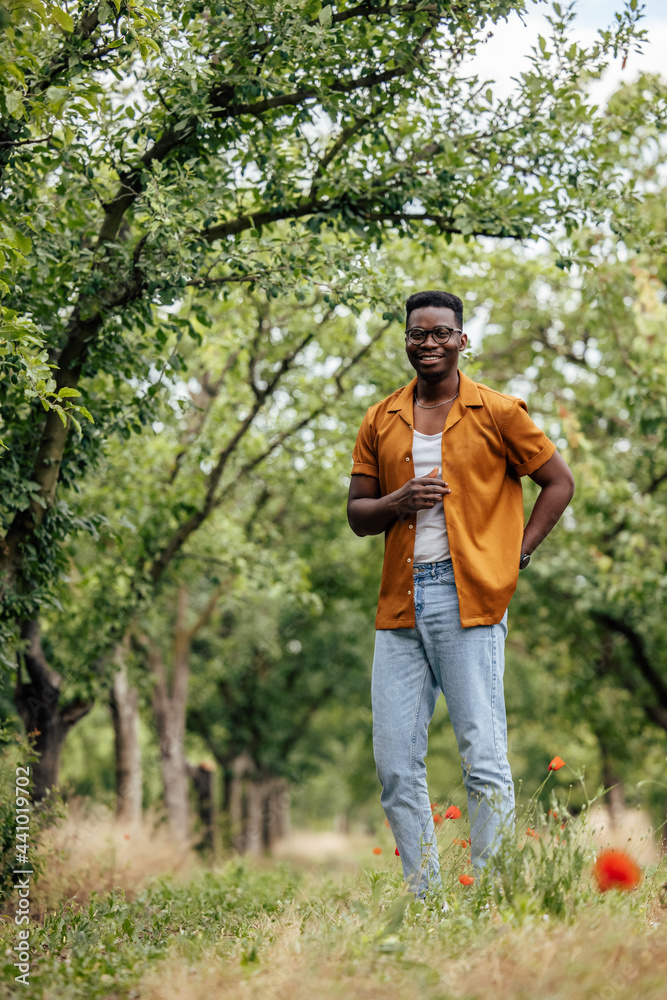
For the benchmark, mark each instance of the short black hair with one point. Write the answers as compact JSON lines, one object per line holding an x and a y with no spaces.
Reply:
{"x":441,"y":300}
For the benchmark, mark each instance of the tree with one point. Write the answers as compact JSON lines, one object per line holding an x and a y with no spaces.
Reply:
{"x":188,"y":493}
{"x":35,"y":108}
{"x":251,"y":102}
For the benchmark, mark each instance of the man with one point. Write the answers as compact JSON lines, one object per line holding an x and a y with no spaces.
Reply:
{"x":437,"y":468}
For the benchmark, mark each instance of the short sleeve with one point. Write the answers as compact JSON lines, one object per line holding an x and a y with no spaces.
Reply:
{"x":364,"y":457}
{"x":528,"y":447}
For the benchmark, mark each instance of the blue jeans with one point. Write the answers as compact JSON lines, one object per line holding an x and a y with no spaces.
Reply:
{"x":411,"y":667}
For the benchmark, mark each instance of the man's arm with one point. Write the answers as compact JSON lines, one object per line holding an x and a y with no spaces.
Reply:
{"x":368,"y":513}
{"x":557,"y":489}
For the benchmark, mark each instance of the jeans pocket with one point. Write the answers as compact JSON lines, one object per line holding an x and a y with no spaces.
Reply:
{"x":446,"y":576}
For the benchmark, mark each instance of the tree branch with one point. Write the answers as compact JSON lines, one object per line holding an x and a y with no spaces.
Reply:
{"x":639,"y":654}
{"x":38,"y":701}
{"x":26,"y":142}
{"x":343,"y":87}
{"x":337,"y":146}
{"x":257,"y":219}
{"x":184,"y":530}
{"x":367,"y":10}
{"x":39,"y":671}
{"x":295,"y":428}
{"x":203,"y":402}
{"x":206,"y":614}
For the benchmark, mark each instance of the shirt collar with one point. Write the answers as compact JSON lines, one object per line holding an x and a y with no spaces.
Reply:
{"x":469,"y":395}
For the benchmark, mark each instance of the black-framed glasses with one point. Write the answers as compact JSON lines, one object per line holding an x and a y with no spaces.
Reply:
{"x":441,"y":334}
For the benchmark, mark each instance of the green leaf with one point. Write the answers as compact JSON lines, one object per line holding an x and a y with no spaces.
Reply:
{"x":150,"y":42}
{"x":56,"y":94}
{"x":62,"y":18}
{"x":23,"y":242}
{"x":13,"y":100}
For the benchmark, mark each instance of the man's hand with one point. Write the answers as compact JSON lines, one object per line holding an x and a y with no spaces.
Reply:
{"x":421,"y":493}
{"x":369,"y":514}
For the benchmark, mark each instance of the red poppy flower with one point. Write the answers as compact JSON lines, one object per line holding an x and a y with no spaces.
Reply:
{"x":453,"y":812}
{"x":466,"y":879}
{"x":437,"y":818}
{"x":461,"y":843}
{"x":556,"y":764}
{"x":434,"y":806}
{"x":377,"y":850}
{"x":616,"y":870}
{"x":532,"y":833}
{"x":397,"y":853}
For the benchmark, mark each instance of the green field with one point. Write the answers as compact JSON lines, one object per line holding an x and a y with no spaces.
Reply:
{"x":125,"y":916}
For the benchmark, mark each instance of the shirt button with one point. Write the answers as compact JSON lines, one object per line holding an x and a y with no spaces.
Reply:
{"x":411,"y":526}
{"x":409,"y":592}
{"x":407,"y":458}
{"x":409,"y":559}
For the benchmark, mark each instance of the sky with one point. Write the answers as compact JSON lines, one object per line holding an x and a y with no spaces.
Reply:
{"x":503,"y":56}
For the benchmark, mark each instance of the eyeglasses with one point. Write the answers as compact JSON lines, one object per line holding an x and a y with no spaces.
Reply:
{"x":440,"y":334}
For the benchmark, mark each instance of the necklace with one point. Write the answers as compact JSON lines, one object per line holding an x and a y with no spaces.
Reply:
{"x":434,"y":405}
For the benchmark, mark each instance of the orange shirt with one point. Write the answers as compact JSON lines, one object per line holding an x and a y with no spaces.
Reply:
{"x":488,"y":442}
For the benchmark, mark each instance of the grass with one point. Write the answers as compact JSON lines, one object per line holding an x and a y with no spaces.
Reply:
{"x":143,"y":924}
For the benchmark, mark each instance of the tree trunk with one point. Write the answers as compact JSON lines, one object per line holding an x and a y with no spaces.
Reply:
{"x":258,"y":808}
{"x":124,"y":704}
{"x":38,"y":704}
{"x":170,"y":723}
{"x":169,"y":710}
{"x":254,"y":825}
{"x":277,"y":815}
{"x":238,"y":804}
{"x":203,"y":780}
{"x":614,"y":794}
{"x":175,"y":780}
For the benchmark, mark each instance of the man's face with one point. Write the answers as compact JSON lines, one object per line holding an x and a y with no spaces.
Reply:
{"x":431,"y":360}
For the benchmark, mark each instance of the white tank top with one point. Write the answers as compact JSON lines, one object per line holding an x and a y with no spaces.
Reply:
{"x":431,"y":542}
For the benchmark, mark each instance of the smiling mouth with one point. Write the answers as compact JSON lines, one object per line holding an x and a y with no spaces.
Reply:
{"x":430,"y":357}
